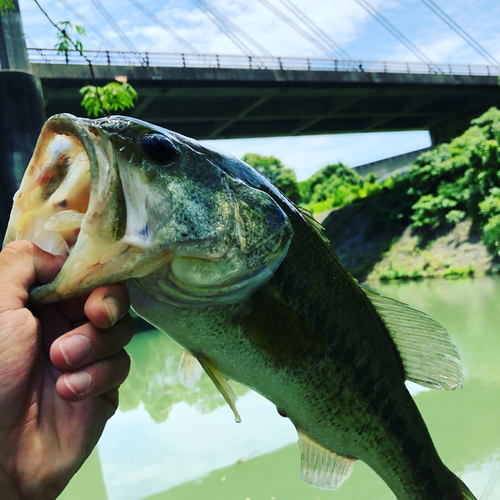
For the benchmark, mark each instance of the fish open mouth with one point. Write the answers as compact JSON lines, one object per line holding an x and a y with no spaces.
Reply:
{"x":71,"y":202}
{"x":54,"y":197}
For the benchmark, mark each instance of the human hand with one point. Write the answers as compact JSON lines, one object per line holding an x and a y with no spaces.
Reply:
{"x":60,"y":369}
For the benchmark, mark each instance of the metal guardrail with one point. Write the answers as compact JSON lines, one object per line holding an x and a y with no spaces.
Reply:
{"x":117,"y":58}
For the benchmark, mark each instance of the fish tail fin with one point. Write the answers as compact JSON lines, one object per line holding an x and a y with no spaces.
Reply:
{"x":462,"y":492}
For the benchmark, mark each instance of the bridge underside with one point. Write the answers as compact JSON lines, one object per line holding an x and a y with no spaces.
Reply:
{"x":233,"y":103}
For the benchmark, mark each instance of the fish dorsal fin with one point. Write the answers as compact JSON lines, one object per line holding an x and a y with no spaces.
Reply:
{"x":189,"y":370}
{"x":222,"y":385}
{"x":429,"y":357}
{"x":309,"y":217}
{"x":322,"y":468}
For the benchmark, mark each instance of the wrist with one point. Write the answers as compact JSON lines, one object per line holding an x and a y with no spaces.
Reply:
{"x":8,"y":490}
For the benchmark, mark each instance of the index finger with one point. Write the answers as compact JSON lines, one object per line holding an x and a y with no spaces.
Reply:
{"x":22,"y":264}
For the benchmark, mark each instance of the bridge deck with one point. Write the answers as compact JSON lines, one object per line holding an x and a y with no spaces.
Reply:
{"x":211,"y":102}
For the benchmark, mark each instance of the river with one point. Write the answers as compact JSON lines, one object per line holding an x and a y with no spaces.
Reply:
{"x":171,"y":442}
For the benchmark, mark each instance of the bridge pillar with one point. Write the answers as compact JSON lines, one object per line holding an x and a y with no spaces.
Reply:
{"x":22,"y":109}
{"x":447,"y":131}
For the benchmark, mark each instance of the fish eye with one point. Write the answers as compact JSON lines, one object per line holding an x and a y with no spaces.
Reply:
{"x":158,"y":147}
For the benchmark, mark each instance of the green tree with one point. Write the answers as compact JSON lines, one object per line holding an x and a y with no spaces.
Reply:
{"x":334,"y":186}
{"x":461,"y":179}
{"x":282,"y":177}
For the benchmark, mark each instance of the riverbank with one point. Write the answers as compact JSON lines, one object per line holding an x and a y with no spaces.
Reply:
{"x":375,"y":241}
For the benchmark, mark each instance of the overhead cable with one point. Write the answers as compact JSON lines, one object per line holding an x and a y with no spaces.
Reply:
{"x":240,"y":44}
{"x":34,"y":46}
{"x":314,"y":27}
{"x":110,"y":20}
{"x":461,"y":32}
{"x":178,"y":38}
{"x":393,"y":30}
{"x":232,"y":31}
{"x":318,"y":43}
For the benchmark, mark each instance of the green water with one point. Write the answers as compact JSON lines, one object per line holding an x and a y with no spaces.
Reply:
{"x":171,"y":442}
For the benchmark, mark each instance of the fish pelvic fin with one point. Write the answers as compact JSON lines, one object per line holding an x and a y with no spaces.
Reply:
{"x":222,"y":385}
{"x":321,"y":467}
{"x":428,"y":355}
{"x":189,"y":370}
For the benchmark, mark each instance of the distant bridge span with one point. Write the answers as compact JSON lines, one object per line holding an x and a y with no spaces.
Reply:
{"x":214,"y":97}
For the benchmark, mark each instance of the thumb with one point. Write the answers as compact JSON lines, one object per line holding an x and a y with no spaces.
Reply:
{"x":22,"y":264}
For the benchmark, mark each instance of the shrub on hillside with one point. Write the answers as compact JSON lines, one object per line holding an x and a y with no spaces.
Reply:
{"x":461,"y":179}
{"x":334,"y":186}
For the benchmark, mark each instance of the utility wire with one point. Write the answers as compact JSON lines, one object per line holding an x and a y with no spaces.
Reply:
{"x":318,"y":43}
{"x":163,"y":26}
{"x":314,"y":27}
{"x":393,"y":30}
{"x":461,"y":32}
{"x":109,"y":19}
{"x":240,"y":44}
{"x":230,"y":29}
{"x":34,"y":45}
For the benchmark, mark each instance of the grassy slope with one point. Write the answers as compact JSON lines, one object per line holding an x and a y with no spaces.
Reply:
{"x":373,"y":239}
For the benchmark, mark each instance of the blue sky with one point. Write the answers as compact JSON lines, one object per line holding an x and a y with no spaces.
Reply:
{"x":344,"y":20}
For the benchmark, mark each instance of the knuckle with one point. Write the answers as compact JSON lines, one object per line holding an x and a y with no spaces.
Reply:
{"x":20,"y":246}
{"x":16,"y":249}
{"x":125,"y":363}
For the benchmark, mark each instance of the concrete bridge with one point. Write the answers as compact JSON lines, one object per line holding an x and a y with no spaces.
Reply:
{"x":211,"y":96}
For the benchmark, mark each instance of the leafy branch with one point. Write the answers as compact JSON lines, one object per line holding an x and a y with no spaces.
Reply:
{"x":64,"y":38}
{"x":65,"y":41}
{"x":6,"y":6}
{"x":115,"y":96}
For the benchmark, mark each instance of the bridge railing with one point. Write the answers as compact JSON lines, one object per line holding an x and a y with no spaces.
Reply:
{"x":117,"y":58}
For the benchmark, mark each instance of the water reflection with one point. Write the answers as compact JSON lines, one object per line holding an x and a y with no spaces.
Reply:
{"x":484,"y":477}
{"x":140,"y":457}
{"x":171,"y":442}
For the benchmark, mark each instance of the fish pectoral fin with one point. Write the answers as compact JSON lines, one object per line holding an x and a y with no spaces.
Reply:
{"x":428,"y":355}
{"x":222,"y":385}
{"x":321,"y":467}
{"x":189,"y":370}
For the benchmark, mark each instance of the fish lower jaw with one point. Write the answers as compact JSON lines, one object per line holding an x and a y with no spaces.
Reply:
{"x":184,"y":286}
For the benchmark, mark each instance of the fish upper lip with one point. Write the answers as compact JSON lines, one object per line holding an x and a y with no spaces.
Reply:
{"x":67,"y":124}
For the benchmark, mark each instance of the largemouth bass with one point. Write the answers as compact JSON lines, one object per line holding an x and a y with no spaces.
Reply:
{"x":221,"y":261}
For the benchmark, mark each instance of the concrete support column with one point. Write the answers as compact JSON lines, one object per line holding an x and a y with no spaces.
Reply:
{"x":447,"y":131}
{"x":21,"y":110}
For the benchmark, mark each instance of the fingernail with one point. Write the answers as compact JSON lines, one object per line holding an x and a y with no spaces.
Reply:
{"x":112,"y":308}
{"x":75,"y":349}
{"x":78,"y":382}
